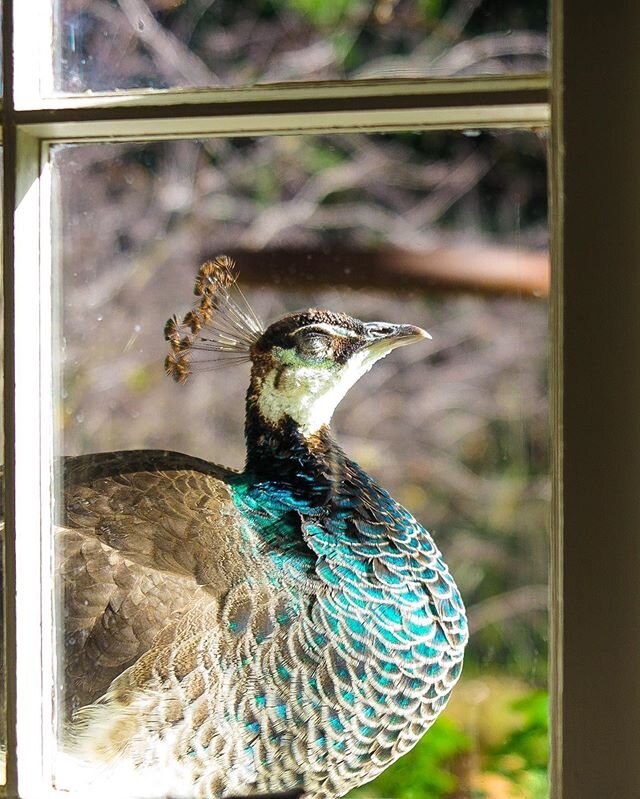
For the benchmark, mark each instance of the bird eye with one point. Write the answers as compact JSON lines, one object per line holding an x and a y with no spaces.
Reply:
{"x":312,"y":345}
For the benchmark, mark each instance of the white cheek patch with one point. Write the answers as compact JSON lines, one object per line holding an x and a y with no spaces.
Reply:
{"x":310,"y":394}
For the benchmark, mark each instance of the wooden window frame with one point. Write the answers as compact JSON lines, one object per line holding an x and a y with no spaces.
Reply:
{"x":595,"y":345}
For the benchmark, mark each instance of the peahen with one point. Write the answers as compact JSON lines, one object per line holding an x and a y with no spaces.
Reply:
{"x":290,"y":626}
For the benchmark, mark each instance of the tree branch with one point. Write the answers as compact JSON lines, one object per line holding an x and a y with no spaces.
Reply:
{"x":483,"y":268}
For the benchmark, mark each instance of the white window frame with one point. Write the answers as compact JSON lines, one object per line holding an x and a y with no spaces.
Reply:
{"x":595,"y":558}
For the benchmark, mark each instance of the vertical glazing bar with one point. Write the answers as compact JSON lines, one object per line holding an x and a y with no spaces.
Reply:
{"x":32,"y":52}
{"x":9,"y":555}
{"x":43,"y":262}
{"x":29,"y":464}
{"x":600,"y":247}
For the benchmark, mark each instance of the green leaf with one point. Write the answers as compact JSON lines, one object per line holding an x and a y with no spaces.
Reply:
{"x":430,"y":9}
{"x":325,"y":13}
{"x":523,"y":756}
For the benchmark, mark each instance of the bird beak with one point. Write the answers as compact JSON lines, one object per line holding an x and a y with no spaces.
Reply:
{"x":382,"y":337}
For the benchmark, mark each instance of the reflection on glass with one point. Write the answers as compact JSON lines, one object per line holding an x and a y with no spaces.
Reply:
{"x":103,"y":46}
{"x":456,"y":429}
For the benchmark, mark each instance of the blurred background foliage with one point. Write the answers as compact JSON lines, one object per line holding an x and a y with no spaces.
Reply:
{"x":122,"y":44}
{"x":456,"y":428}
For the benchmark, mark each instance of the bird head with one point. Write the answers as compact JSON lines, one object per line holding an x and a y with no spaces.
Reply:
{"x":305,"y":363}
{"x":302,"y":365}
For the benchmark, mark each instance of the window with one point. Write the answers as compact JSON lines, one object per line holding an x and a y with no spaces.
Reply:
{"x":50,"y":136}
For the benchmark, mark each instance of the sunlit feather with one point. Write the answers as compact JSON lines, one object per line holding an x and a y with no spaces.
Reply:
{"x":222,"y":324}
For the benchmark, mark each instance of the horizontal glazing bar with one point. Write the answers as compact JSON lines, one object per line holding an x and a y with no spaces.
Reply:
{"x":131,"y":126}
{"x":508,"y":88}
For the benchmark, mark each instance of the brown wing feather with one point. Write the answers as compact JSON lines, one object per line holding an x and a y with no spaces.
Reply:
{"x":142,"y":536}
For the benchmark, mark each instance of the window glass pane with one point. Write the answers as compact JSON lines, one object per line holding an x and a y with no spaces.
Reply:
{"x":102,"y":45}
{"x":442,"y":230}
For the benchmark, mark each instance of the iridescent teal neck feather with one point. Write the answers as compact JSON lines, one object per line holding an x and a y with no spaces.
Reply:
{"x":377,"y":625}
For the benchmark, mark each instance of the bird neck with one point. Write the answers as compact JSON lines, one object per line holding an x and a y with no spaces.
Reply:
{"x":279,"y":453}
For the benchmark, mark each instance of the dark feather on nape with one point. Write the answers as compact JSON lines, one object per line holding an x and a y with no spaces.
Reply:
{"x":221,"y":325}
